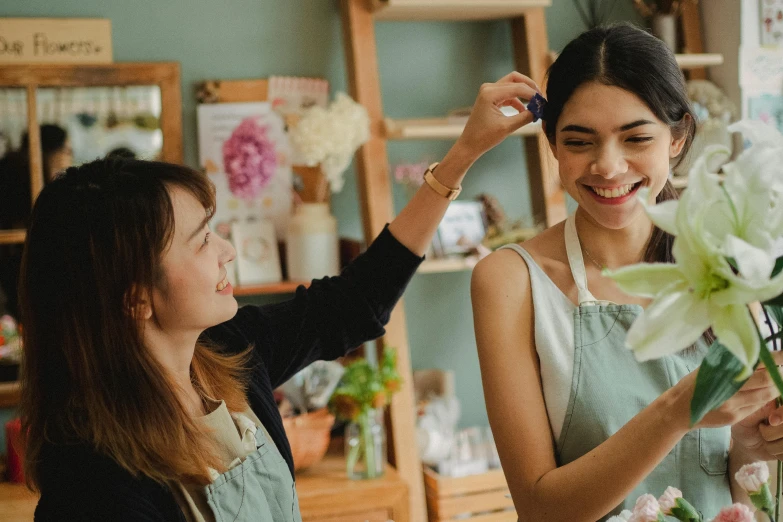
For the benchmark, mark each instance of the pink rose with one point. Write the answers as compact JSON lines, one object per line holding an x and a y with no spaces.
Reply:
{"x":751,"y":477}
{"x":735,"y":513}
{"x":668,"y":500}
{"x":646,"y":509}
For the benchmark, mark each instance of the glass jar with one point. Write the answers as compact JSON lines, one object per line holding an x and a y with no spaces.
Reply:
{"x":365,"y":446}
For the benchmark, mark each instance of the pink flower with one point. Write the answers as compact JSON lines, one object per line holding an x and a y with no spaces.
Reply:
{"x":646,"y":509}
{"x":250,"y":159}
{"x":669,"y":500}
{"x":735,"y":513}
{"x":751,"y":477}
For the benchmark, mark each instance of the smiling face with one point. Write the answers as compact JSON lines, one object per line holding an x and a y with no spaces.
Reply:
{"x":608,"y":144}
{"x":193,"y":293}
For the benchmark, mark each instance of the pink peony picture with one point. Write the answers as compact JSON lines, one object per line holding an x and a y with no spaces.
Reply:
{"x":250,"y":159}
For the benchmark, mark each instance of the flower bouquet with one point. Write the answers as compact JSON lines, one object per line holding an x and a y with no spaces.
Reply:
{"x":728,"y":229}
{"x":364,"y":390}
{"x":330,"y":136}
{"x":753,"y":478}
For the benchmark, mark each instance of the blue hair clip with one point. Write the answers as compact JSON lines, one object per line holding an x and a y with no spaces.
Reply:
{"x":536,"y":106}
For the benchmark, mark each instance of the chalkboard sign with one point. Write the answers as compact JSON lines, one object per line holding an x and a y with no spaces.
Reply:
{"x":55,"y":40}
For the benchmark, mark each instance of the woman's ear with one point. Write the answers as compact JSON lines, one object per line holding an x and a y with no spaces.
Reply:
{"x":678,"y":143}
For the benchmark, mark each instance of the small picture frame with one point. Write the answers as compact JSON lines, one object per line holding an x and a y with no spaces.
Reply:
{"x":461,"y":230}
{"x":257,"y":260}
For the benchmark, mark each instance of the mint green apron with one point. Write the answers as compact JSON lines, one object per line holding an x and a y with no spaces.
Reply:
{"x":609,"y":387}
{"x":260,"y":489}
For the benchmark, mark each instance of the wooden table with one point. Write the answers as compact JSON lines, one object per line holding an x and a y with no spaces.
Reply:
{"x":325,"y":495}
{"x":17,"y":503}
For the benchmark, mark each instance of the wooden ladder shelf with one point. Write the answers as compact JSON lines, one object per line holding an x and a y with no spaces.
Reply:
{"x":374,"y":185}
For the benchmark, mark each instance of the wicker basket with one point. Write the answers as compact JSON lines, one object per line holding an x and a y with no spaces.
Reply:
{"x":308,"y":435}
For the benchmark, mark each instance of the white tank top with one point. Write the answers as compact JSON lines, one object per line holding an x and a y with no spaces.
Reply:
{"x":553,"y":326}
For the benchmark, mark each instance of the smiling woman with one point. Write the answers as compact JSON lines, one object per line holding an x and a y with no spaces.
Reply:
{"x":147,"y":394}
{"x":551,"y":330}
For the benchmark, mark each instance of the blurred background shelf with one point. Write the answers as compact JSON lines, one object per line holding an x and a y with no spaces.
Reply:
{"x":453,"y":9}
{"x":440,"y":266}
{"x":9,"y":394}
{"x":285,"y":287}
{"x":438,"y":129}
{"x":696,"y":61}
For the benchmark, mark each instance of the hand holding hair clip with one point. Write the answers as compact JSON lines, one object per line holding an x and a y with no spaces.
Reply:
{"x":536,"y":106}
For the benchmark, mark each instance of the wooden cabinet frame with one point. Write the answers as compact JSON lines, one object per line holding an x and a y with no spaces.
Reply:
{"x":165,"y":75}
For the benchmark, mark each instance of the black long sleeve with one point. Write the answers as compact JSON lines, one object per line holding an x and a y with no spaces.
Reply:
{"x":325,"y":321}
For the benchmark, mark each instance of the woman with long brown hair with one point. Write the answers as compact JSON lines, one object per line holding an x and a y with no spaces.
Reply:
{"x":146,"y":393}
{"x":582,"y":428}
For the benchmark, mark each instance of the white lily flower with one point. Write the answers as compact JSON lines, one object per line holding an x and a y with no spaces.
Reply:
{"x":725,"y":232}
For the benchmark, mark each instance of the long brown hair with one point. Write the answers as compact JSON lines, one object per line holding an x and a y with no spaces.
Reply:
{"x":97,"y":235}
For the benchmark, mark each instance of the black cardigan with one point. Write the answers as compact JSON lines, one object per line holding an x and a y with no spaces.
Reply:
{"x":332,"y":317}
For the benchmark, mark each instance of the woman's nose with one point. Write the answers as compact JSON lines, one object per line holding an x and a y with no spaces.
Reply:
{"x":227,"y":251}
{"x":609,"y":162}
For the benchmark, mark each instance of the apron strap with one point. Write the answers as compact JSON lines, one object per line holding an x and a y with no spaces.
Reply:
{"x":576,"y":261}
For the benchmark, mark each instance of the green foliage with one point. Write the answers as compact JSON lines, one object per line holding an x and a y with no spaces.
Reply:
{"x":364,"y":387}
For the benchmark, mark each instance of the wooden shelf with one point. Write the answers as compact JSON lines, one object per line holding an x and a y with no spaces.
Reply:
{"x":286,"y":287}
{"x":12,"y":236}
{"x":327,"y":494}
{"x":439,"y":129}
{"x":18,"y":502}
{"x":696,"y":61}
{"x":445,"y":265}
{"x":9,"y":394}
{"x":453,"y":9}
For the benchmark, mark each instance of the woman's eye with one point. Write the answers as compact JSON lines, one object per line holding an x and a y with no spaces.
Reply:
{"x":640,"y":139}
{"x":575,"y":143}
{"x":206,"y":239}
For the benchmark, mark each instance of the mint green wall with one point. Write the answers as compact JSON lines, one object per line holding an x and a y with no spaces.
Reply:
{"x":426,"y":69}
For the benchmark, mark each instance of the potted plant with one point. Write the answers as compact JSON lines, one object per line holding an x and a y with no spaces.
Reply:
{"x":359,"y":399}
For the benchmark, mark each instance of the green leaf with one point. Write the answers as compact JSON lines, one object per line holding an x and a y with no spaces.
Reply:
{"x":716,"y":381}
{"x":776,"y":312}
{"x":776,"y":301}
{"x":763,"y":499}
{"x":769,"y":362}
{"x":778,"y":266}
{"x":684,"y":511}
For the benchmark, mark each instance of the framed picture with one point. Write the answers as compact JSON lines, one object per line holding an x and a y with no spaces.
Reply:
{"x":244,"y":149}
{"x":462,"y":228}
{"x":772,"y":23}
{"x":257,"y":259}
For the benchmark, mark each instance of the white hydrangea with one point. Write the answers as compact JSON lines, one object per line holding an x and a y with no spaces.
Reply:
{"x":330,"y":137}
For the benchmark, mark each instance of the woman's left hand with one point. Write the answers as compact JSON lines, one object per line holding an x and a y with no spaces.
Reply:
{"x":761,"y":434}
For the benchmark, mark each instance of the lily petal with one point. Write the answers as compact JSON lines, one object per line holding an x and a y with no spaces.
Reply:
{"x":754,"y":263}
{"x":736,"y":330}
{"x":758,"y":132}
{"x":663,"y":215}
{"x":673,"y":321}
{"x":646,"y":279}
